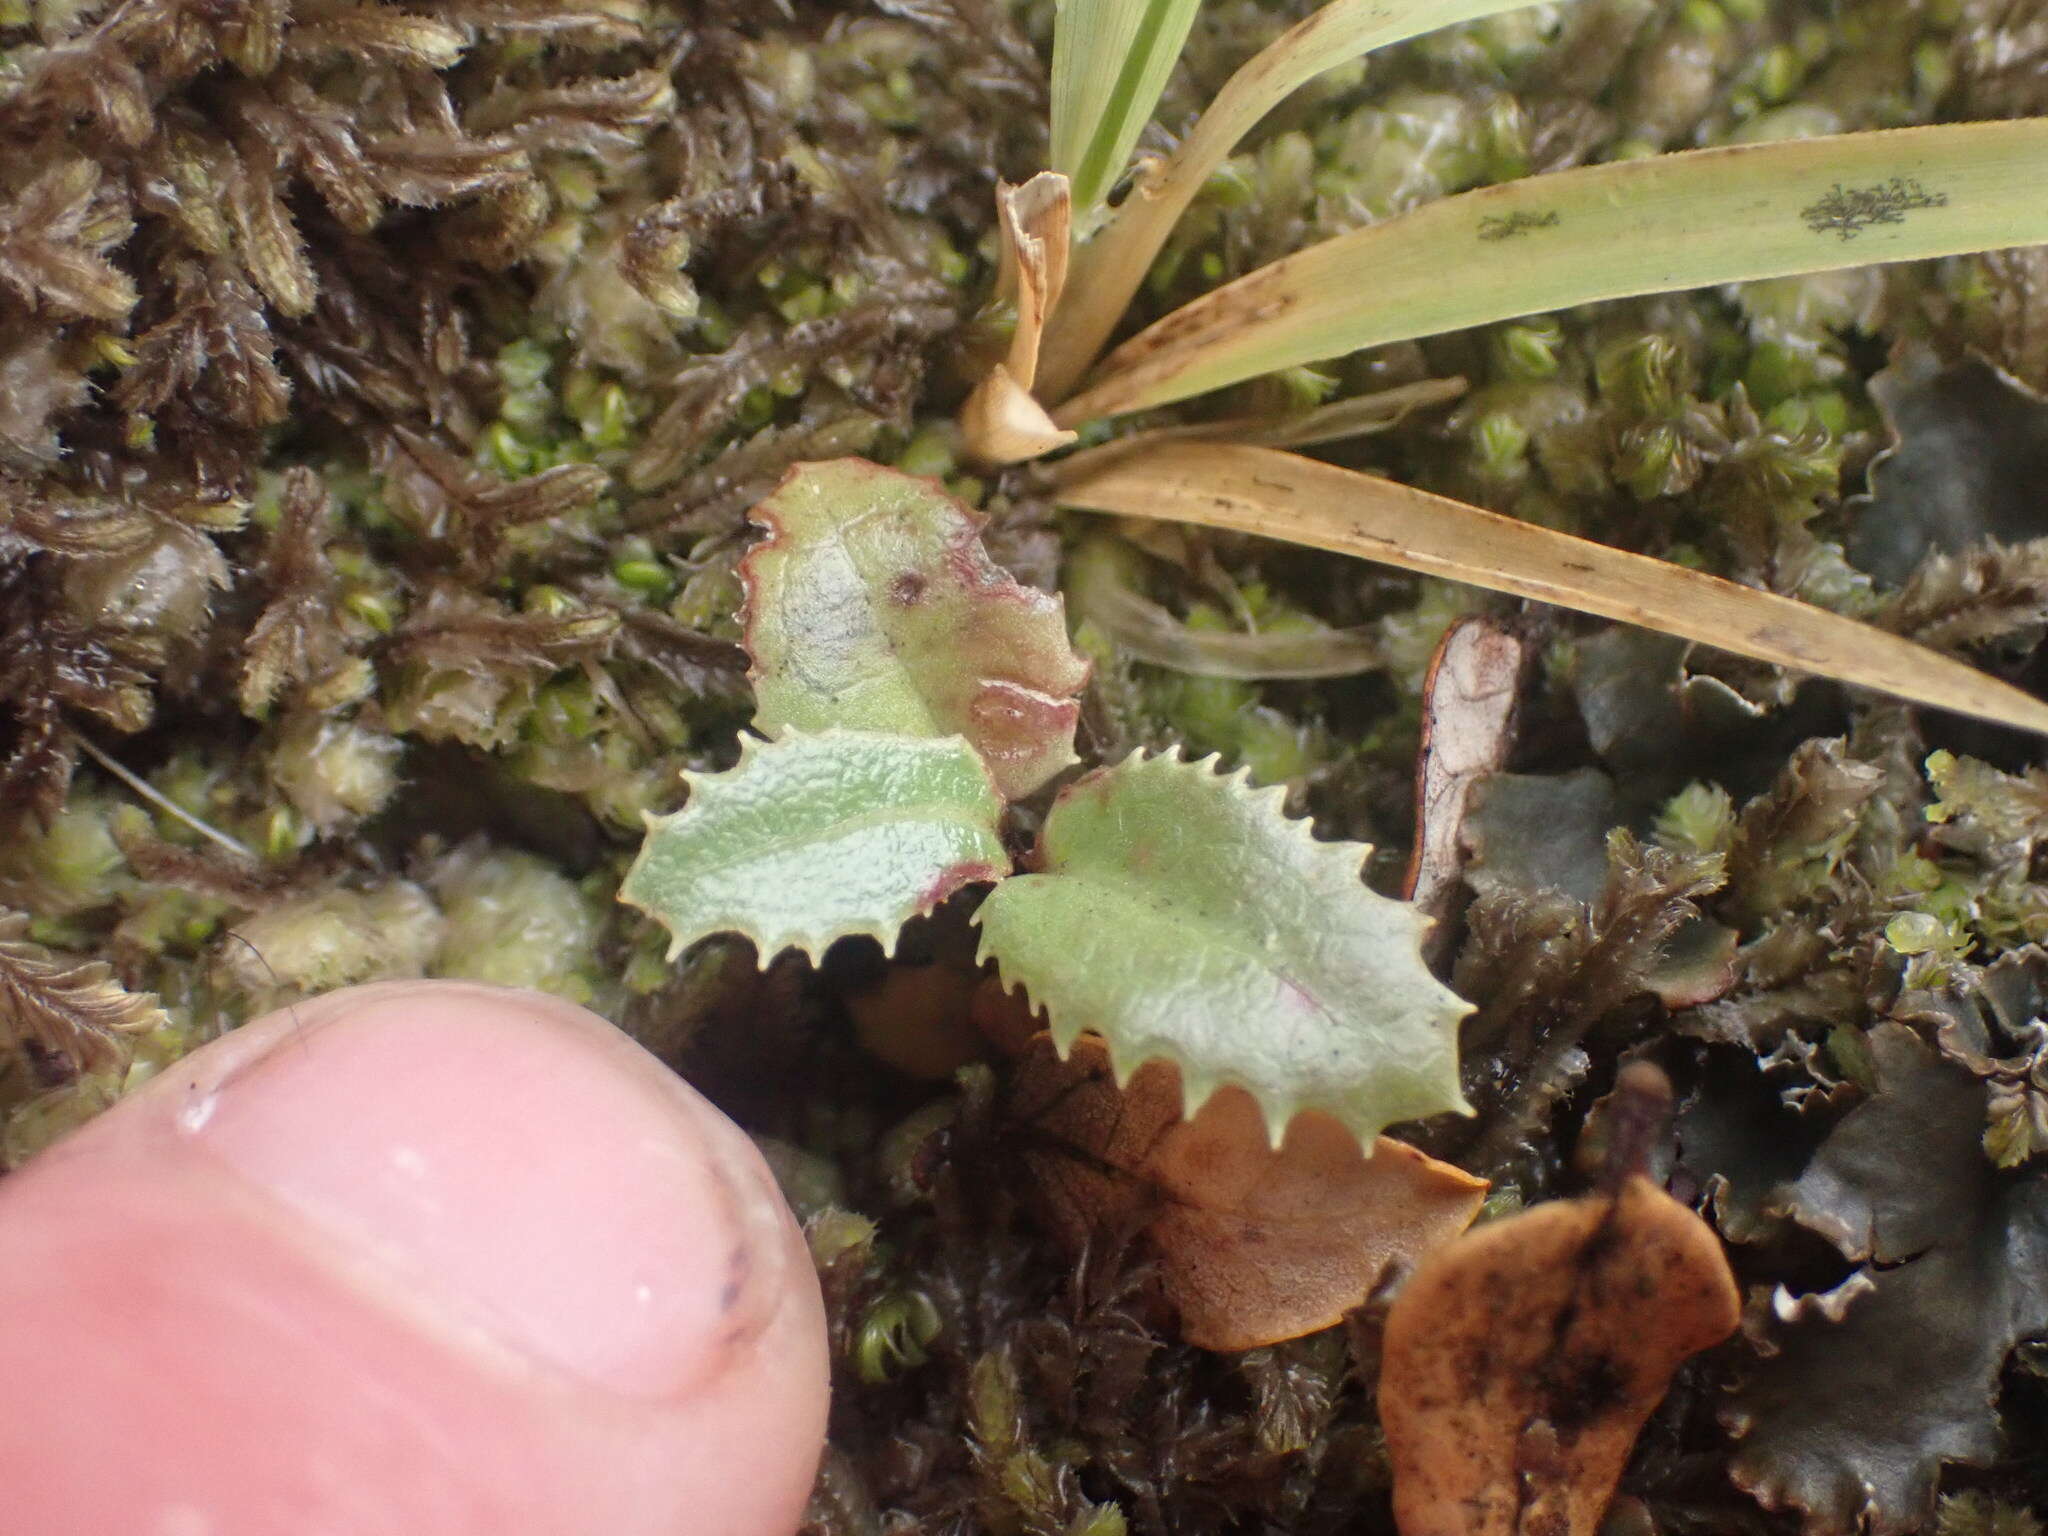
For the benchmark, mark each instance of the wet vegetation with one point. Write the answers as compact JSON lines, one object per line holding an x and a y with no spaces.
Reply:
{"x":382,"y":392}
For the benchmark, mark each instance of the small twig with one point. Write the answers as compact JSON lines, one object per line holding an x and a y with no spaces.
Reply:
{"x":156,"y":797}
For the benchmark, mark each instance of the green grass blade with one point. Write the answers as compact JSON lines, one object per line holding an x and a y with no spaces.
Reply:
{"x":1112,"y":265}
{"x":1110,"y":60}
{"x":1604,"y":232}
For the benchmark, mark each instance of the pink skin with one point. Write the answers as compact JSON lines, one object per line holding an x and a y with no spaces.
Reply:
{"x":427,"y":1259}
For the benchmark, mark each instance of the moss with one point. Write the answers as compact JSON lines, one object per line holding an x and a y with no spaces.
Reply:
{"x":335,"y":772}
{"x":332,"y":938}
{"x":69,"y":865}
{"x":512,"y":919}
{"x":419,"y":580}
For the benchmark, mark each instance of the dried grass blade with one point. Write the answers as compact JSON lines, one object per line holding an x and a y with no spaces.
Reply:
{"x":1357,"y":416}
{"x":1097,"y":593}
{"x":1603,"y":232}
{"x":1284,"y":496}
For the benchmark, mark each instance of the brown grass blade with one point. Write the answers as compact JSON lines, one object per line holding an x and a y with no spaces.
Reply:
{"x":1302,"y":501}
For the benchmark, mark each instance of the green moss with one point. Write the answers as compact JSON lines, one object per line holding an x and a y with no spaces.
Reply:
{"x":332,"y":938}
{"x":511,"y":919}
{"x":68,"y":866}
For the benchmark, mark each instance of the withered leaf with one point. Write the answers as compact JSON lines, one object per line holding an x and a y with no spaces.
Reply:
{"x":1001,"y":421}
{"x":1253,"y":1245}
{"x":70,"y":1013}
{"x":1323,"y":506}
{"x":1467,"y":729}
{"x":1522,"y":1359}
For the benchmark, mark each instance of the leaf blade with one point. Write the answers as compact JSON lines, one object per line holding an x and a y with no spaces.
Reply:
{"x":1110,"y":61}
{"x":811,"y":838}
{"x":1255,"y":1243}
{"x":1707,"y":216}
{"x":1295,"y":953}
{"x":1494,"y":1343}
{"x":872,"y":605}
{"x":1110,"y":267}
{"x":1304,"y":501}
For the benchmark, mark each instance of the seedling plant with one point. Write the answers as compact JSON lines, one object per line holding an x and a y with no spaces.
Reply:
{"x":908,"y":691}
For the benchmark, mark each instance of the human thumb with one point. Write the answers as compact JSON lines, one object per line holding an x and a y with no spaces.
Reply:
{"x":430,"y":1258}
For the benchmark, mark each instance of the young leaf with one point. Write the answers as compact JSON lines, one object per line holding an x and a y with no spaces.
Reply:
{"x":1110,"y":60}
{"x":1110,"y":267}
{"x":1254,"y":1243}
{"x":1522,"y":1359}
{"x":871,"y":605}
{"x":813,"y":837}
{"x":1183,"y":918}
{"x":1304,"y":501}
{"x":1601,"y":232}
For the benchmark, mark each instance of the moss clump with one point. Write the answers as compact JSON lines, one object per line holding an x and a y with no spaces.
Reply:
{"x":380,"y":515}
{"x":511,"y":918}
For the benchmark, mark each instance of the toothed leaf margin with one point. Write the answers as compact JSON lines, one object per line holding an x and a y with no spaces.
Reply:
{"x":1183,"y":917}
{"x":812,"y":837}
{"x":873,"y":606}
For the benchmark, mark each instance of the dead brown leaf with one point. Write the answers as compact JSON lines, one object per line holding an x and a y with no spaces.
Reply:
{"x":1521,"y":1360}
{"x":1323,"y":506}
{"x":1467,"y":729}
{"x":1002,"y":422}
{"x":1254,"y":1245}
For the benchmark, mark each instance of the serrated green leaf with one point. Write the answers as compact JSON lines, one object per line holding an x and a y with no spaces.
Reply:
{"x":1182,"y":917}
{"x":814,"y":837}
{"x":873,"y":606}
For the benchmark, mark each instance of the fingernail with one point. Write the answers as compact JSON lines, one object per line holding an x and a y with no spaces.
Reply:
{"x":518,"y":1169}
